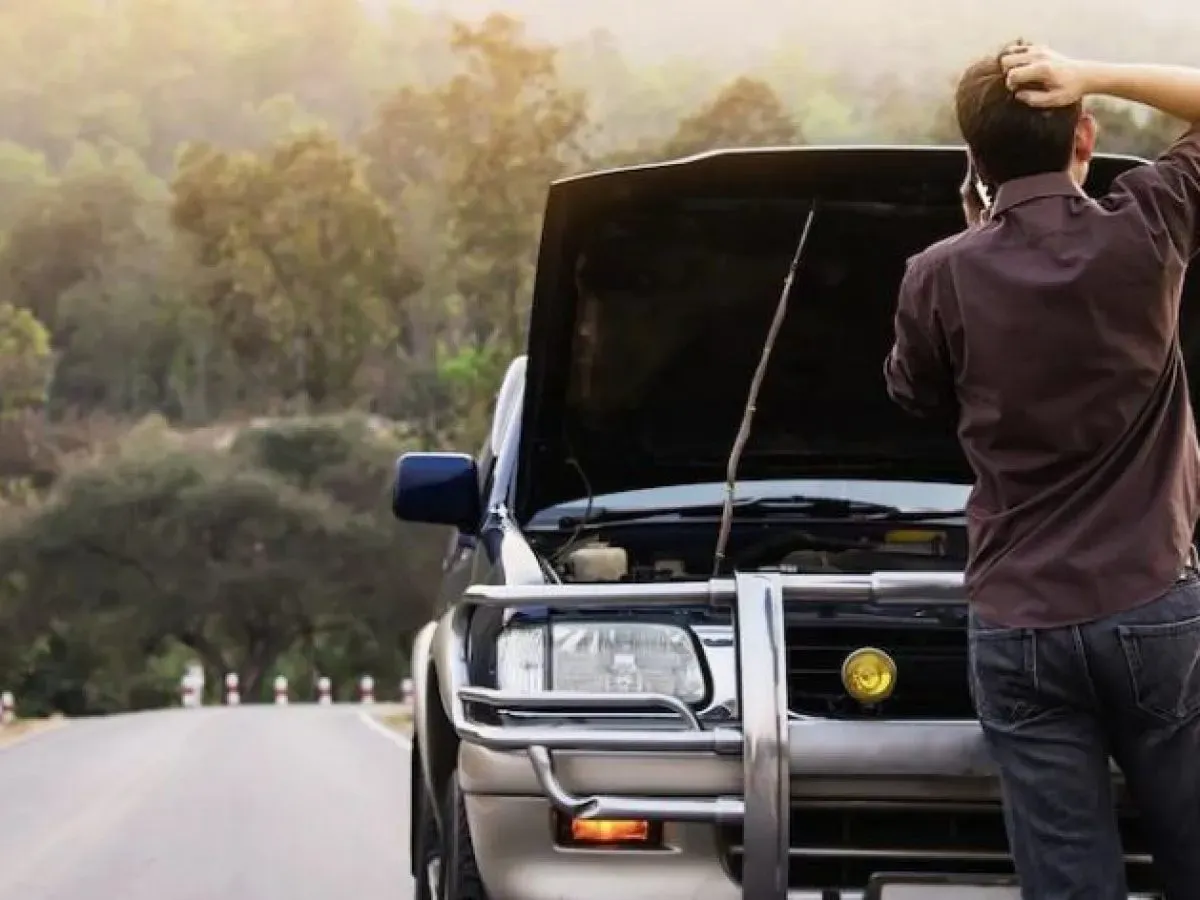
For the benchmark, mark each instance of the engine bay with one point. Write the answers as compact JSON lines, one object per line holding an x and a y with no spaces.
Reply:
{"x":665,"y":554}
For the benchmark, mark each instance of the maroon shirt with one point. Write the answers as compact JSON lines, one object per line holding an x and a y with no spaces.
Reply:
{"x":1050,"y":330}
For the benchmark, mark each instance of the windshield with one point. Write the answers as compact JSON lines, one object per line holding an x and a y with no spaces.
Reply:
{"x":904,"y":495}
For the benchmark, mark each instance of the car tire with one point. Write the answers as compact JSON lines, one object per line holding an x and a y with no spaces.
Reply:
{"x":428,"y":850}
{"x":459,"y":874}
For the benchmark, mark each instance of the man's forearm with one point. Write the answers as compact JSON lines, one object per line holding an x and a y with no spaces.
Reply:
{"x":1174,"y":90}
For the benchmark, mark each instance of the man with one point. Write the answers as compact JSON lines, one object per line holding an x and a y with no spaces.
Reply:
{"x":1048,"y":329}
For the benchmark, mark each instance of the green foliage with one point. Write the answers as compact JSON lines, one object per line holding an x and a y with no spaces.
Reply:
{"x":517,"y":126}
{"x":744,"y":113}
{"x":300,"y":450}
{"x":349,"y":457}
{"x":159,"y":544}
{"x":1127,"y":129}
{"x":26,"y":361}
{"x":321,"y":219}
{"x":304,"y":266}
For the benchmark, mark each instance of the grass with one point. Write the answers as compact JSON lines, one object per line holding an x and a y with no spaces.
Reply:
{"x":398,"y":718}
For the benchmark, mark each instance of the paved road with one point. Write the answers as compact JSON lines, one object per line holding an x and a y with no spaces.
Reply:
{"x":252,"y":803}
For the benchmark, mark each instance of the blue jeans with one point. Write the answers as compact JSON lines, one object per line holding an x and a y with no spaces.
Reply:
{"x":1056,"y":704}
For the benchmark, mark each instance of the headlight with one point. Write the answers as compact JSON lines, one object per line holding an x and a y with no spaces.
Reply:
{"x":601,"y":657}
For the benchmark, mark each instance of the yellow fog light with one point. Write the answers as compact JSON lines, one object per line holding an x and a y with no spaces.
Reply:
{"x":869,"y":675}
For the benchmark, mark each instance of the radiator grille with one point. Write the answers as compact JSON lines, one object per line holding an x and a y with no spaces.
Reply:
{"x":931,"y":664}
{"x":841,"y":847}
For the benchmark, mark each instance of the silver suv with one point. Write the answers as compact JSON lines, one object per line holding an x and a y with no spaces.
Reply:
{"x":656,"y":673}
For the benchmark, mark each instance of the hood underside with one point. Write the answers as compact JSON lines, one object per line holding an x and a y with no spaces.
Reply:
{"x":655,"y":289}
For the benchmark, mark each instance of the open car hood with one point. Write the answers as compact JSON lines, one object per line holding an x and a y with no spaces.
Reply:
{"x":654,"y":292}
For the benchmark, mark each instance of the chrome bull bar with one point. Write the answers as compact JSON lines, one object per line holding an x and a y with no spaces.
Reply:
{"x":762,"y":738}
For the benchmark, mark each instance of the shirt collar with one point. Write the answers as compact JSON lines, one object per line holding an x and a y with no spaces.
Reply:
{"x":1034,"y":187}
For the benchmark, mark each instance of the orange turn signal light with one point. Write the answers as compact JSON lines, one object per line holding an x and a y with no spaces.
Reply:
{"x":610,"y":831}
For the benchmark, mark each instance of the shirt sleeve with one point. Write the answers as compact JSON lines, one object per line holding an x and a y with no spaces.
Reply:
{"x":918,"y":372}
{"x":1168,"y":194}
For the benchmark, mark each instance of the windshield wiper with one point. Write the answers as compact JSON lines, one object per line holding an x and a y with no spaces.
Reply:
{"x":601,"y":516}
{"x":834,"y":507}
{"x":817,"y":507}
{"x":805,"y":506}
{"x":808,"y":504}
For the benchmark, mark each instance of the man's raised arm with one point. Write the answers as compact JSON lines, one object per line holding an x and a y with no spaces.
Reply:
{"x":1168,"y":191}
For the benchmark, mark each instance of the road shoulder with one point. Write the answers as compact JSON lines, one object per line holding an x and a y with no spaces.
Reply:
{"x":391,"y":725}
{"x":23,"y":730}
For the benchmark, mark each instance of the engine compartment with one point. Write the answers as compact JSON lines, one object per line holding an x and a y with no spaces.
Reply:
{"x":662,"y":553}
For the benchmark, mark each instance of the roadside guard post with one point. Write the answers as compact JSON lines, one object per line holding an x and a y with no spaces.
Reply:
{"x":232,"y":697}
{"x":187,"y":692}
{"x":366,"y":689}
{"x":281,"y":691}
{"x":191,"y":686}
{"x":8,"y":708}
{"x":406,"y":691}
{"x":324,"y":691}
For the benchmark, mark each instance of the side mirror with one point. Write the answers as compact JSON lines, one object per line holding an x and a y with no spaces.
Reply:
{"x":438,"y":489}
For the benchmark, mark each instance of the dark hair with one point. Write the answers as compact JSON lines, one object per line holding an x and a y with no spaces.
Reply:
{"x":1008,"y":138}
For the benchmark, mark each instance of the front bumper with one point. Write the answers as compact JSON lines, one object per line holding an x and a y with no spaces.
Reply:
{"x":749,"y":779}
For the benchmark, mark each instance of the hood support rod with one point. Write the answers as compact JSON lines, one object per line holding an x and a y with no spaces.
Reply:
{"x":743,"y":434}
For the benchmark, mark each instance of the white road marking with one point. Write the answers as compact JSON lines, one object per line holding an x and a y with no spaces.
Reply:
{"x":390,"y":733}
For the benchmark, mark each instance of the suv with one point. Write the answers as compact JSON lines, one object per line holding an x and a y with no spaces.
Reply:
{"x":617,"y":702}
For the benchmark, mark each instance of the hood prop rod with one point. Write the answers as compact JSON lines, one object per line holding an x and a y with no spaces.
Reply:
{"x":743,"y":433}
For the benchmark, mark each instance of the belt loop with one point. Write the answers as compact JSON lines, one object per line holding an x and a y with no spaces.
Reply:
{"x":1193,"y":560}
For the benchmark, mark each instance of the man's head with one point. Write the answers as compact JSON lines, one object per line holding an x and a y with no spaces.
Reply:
{"x":1009,"y":139}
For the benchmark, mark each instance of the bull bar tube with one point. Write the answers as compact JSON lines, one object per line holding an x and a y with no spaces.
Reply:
{"x":773,"y":744}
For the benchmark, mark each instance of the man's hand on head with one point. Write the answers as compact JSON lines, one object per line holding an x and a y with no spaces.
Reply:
{"x":1043,"y":78}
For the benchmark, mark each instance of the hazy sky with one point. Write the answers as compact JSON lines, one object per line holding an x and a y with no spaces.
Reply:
{"x":903,"y":30}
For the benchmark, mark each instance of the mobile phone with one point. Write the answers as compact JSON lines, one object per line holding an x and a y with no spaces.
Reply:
{"x":982,"y":192}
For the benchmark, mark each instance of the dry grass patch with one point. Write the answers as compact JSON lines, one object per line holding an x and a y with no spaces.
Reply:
{"x":399,"y":718}
{"x":26,"y":728}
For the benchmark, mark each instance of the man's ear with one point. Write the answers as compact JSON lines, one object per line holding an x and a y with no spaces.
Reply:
{"x":1086,"y":132}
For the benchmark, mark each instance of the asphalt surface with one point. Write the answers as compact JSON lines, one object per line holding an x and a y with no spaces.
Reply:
{"x":249,"y":803}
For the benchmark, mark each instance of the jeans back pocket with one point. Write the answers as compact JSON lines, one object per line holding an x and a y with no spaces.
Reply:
{"x":1004,"y":675}
{"x":1164,"y":666}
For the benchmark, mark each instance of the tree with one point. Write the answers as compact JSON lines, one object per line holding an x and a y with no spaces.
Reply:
{"x":515,"y":132}
{"x":744,"y":113}
{"x":26,"y":361}
{"x":495,"y":136}
{"x":304,"y":268}
{"x":406,"y":148}
{"x":26,"y":367}
{"x":24,"y":174}
{"x":1125,"y":129}
{"x":65,"y":236}
{"x":898,"y":112}
{"x":467,"y":165}
{"x":234,"y":562}
{"x":219,"y":209}
{"x":396,"y":566}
